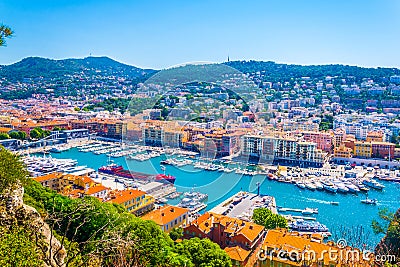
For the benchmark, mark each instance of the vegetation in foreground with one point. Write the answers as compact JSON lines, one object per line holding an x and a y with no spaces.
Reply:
{"x":93,"y":233}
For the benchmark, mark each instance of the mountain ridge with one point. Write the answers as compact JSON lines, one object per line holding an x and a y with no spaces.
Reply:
{"x":33,"y":67}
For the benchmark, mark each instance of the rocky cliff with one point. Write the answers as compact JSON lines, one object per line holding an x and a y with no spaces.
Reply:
{"x":13,"y":211}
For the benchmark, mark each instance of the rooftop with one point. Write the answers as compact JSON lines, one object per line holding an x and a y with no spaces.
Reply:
{"x":165,"y":214}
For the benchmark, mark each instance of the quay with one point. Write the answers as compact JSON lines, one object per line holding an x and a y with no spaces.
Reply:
{"x":242,"y":205}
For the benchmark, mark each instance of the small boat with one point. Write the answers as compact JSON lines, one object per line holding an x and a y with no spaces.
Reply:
{"x":368,"y":201}
{"x":310,"y":186}
{"x":341,"y":188}
{"x":335,"y":203}
{"x":373,"y":184}
{"x":309,"y":211}
{"x":301,"y":185}
{"x":330,"y":187}
{"x":162,"y":200}
{"x":318,"y":185}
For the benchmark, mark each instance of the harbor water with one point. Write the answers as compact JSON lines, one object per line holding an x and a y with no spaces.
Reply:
{"x":349,"y":214}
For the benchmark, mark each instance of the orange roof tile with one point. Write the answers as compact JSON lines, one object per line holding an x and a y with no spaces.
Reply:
{"x":232,"y":225}
{"x":164,"y":215}
{"x":125,"y":195}
{"x":281,"y":239}
{"x":95,"y":189}
{"x":86,"y":179}
{"x":47,"y":177}
{"x":237,"y":253}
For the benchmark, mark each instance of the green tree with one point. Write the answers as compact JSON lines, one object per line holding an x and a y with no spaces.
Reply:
{"x":390,"y":244}
{"x":379,"y":227}
{"x":203,"y":252}
{"x":56,"y":128}
{"x":35,"y":134}
{"x":4,"y":136}
{"x":5,"y":32}
{"x":176,"y":233}
{"x":18,"y":247}
{"x":12,"y":170}
{"x":269,"y":220}
{"x":18,"y":135}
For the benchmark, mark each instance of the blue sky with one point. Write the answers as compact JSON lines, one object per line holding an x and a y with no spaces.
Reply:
{"x":159,"y":34}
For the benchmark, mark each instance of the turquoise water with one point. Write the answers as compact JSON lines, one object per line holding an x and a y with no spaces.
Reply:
{"x":220,"y":186}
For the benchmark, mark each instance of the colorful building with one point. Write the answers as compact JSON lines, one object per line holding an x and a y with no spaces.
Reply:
{"x":168,"y":217}
{"x":51,"y":180}
{"x":375,"y":136}
{"x":342,"y":152}
{"x":362,"y":149}
{"x":291,"y":249}
{"x":228,"y":232}
{"x":133,"y":200}
{"x":382,"y":150}
{"x":324,"y":140}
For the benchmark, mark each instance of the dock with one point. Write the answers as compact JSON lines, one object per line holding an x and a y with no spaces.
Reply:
{"x":242,"y":205}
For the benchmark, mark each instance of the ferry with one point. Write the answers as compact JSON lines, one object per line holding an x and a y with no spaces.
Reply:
{"x":301,"y":225}
{"x":118,"y":170}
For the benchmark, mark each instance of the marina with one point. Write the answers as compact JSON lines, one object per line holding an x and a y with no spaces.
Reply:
{"x":222,"y":183}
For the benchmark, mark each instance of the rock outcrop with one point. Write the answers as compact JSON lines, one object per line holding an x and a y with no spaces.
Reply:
{"x":13,"y":210}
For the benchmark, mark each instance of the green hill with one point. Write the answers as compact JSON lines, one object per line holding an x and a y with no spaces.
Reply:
{"x":33,"y":67}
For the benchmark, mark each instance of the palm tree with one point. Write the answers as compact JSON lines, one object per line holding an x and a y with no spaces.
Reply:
{"x":5,"y":32}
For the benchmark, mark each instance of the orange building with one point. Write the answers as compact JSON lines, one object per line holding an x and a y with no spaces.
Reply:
{"x":342,"y":152}
{"x":51,"y":180}
{"x":292,"y":249}
{"x":228,"y":232}
{"x":168,"y":217}
{"x":375,"y":136}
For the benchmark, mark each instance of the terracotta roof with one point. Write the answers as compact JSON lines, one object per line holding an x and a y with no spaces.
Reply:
{"x":95,"y":189}
{"x":125,"y":195}
{"x":5,"y":129}
{"x":47,"y":177}
{"x":86,"y":179}
{"x":237,"y":253}
{"x":164,"y":215}
{"x":281,"y":239}
{"x":232,"y":225}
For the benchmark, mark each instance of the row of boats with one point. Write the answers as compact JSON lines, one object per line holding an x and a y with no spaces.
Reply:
{"x":194,"y":201}
{"x":38,"y":166}
{"x":334,"y":185}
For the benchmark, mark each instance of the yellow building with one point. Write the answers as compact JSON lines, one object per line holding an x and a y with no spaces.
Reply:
{"x":84,"y":181}
{"x":291,"y":249}
{"x":168,"y":217}
{"x":362,"y":149}
{"x":342,"y":152}
{"x":133,"y":200}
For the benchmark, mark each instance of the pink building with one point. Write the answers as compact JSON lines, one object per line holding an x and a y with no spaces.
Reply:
{"x":323,"y":140}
